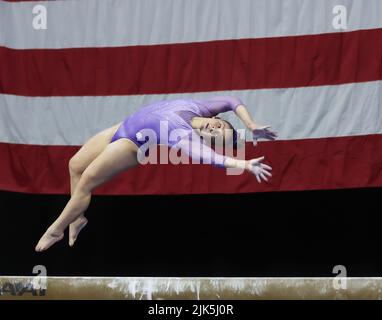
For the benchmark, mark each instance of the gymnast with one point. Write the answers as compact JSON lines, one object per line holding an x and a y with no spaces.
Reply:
{"x":116,"y":149}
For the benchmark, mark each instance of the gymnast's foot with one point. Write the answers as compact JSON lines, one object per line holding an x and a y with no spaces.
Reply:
{"x":48,"y":239}
{"x":75,"y":228}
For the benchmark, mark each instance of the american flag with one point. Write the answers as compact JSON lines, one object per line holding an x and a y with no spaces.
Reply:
{"x":94,"y":62}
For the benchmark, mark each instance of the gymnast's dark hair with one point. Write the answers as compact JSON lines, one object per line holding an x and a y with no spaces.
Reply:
{"x":234,"y":135}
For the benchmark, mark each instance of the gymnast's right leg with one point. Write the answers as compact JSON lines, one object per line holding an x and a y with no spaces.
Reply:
{"x":77,"y":165}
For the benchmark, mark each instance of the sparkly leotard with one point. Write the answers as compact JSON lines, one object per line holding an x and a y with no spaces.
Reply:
{"x":177,"y":114}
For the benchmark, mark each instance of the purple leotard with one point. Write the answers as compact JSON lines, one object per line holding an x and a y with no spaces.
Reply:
{"x":177,"y":114}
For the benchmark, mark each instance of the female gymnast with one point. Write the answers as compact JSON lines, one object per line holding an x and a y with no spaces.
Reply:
{"x":115,"y":149}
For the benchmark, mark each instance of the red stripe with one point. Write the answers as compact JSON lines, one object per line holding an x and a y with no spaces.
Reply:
{"x":311,"y":60}
{"x":298,"y":165}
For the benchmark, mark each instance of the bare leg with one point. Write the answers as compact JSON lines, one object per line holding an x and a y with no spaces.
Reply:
{"x":77,"y":225}
{"x":117,"y":157}
{"x":77,"y":165}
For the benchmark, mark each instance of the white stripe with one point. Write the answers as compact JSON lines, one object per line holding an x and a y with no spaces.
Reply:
{"x":100,"y":23}
{"x":296,"y":113}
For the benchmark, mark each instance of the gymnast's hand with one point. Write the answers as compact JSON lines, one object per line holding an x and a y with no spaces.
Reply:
{"x":259,"y":169}
{"x":262,"y":132}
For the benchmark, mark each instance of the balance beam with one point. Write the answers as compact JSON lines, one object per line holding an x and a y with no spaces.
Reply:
{"x":96,"y":288}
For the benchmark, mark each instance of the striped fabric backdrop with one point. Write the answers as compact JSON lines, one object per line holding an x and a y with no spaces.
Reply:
{"x":100,"y":60}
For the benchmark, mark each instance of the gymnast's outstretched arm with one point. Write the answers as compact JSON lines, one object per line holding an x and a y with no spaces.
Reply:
{"x":258,"y":131}
{"x":220,"y":104}
{"x":200,"y":151}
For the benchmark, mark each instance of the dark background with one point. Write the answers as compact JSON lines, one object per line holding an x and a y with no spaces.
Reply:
{"x":263,"y":234}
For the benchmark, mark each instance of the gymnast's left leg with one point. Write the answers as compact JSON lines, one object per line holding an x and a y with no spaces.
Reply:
{"x":117,"y":157}
{"x":77,"y":165}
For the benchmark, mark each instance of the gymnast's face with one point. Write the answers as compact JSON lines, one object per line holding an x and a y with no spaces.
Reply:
{"x":214,"y":128}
